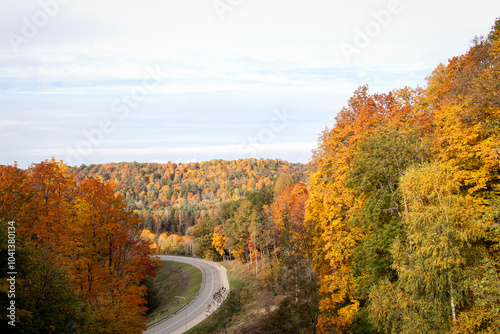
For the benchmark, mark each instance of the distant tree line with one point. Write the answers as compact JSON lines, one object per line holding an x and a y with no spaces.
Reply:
{"x":174,"y":197}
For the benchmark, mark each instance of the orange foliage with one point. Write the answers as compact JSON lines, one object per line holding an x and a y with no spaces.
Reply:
{"x":88,"y":229}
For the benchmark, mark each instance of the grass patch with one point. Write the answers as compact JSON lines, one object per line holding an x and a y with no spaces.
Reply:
{"x":240,"y":276}
{"x":172,"y":279}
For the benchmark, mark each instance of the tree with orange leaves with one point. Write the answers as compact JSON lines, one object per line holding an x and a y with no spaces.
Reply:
{"x":49,"y":186}
{"x":87,"y":237}
{"x":108,"y":258}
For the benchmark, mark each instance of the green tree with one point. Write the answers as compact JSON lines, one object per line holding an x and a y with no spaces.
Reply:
{"x":202,"y":234}
{"x":284,"y":181}
{"x":438,"y":259}
{"x":237,"y":230}
{"x":378,"y":163}
{"x":44,"y":298}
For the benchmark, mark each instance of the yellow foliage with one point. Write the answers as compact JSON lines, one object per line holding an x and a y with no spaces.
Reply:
{"x":472,"y":321}
{"x":218,"y":239}
{"x":151,"y":238}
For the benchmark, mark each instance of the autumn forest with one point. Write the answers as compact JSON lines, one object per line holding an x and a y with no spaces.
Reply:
{"x":392,"y":227}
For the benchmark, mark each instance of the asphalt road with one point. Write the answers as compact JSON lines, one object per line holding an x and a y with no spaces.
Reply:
{"x":214,"y":277}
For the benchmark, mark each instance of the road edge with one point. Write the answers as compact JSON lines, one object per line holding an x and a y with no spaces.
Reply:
{"x":223,"y":278}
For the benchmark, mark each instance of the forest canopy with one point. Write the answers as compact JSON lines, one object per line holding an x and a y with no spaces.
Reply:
{"x":174,"y":197}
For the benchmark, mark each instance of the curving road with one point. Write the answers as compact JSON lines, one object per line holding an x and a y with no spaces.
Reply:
{"x":214,"y":277}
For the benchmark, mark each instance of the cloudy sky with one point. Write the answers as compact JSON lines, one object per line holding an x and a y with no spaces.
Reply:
{"x":91,"y":81}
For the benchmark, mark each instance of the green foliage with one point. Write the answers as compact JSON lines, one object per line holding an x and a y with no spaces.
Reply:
{"x":261,"y":197}
{"x":202,"y":233}
{"x":439,"y":261}
{"x":495,"y":31}
{"x":237,"y":230}
{"x":44,"y":299}
{"x":376,"y":168}
{"x":289,"y":317}
{"x":46,"y":292}
{"x":228,"y":209}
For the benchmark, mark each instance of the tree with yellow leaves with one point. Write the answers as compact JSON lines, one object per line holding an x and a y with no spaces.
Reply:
{"x":150,"y":237}
{"x":439,"y":262}
{"x":464,"y":97}
{"x":219,"y":240}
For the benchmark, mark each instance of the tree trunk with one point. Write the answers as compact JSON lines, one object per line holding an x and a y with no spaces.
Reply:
{"x":256,"y":266}
{"x":452,"y":304}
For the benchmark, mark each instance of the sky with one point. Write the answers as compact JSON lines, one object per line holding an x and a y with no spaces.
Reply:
{"x":88,"y":81}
